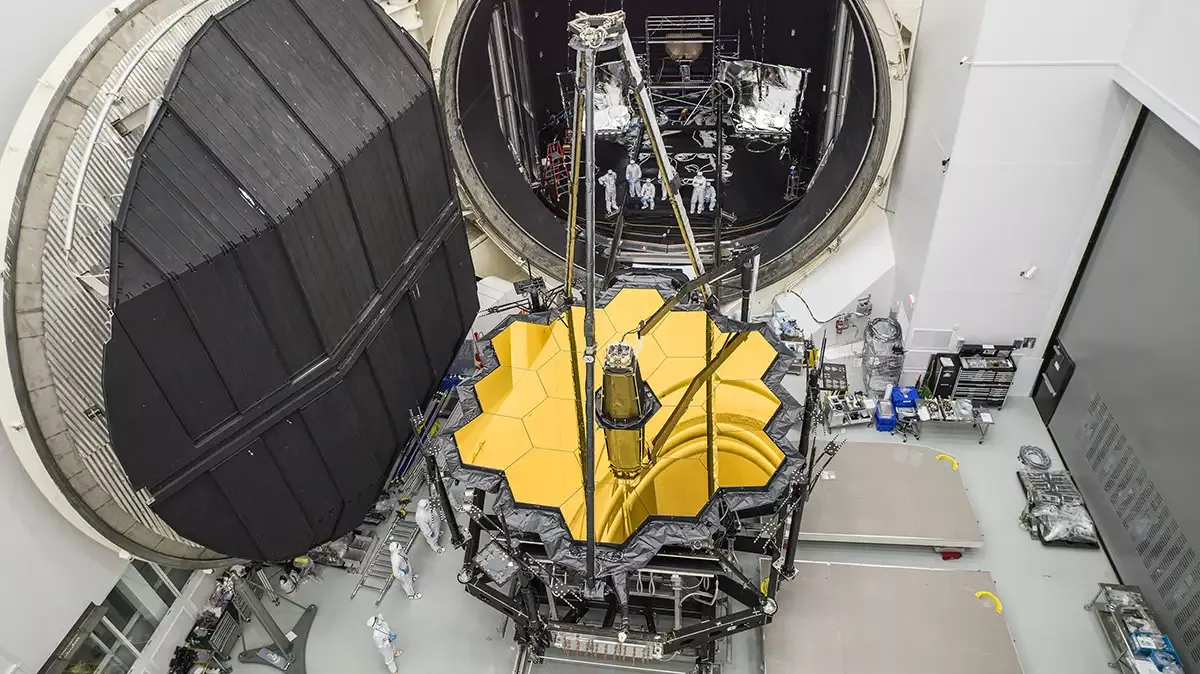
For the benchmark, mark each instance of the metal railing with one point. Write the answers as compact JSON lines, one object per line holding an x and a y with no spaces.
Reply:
{"x":112,"y":95}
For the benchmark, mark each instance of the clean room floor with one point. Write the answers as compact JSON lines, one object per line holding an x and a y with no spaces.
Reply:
{"x":1043,"y":589}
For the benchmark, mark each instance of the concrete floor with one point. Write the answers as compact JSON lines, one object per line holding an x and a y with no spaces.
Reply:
{"x":1043,"y":589}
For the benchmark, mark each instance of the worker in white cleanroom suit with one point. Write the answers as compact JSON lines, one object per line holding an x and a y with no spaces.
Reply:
{"x":430,"y":525}
{"x":699,"y":188}
{"x":403,"y":571}
{"x":710,"y":197}
{"x":609,"y":182}
{"x":663,"y":185}
{"x":647,"y":194}
{"x":633,"y":177}
{"x":385,"y":640}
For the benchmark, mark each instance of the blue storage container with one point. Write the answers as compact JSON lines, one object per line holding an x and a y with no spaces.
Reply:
{"x":885,"y":417}
{"x":905,"y":396}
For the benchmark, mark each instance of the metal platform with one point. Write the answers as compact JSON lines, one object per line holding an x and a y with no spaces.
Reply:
{"x":852,"y":619}
{"x":891,"y":494}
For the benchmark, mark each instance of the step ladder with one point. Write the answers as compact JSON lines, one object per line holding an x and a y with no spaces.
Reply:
{"x":377,"y":570}
{"x":558,"y":159}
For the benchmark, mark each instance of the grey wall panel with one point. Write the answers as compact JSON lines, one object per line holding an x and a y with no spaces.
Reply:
{"x":302,"y":467}
{"x":244,"y":134}
{"x":162,"y":335}
{"x":378,"y":191}
{"x":257,"y":491}
{"x":153,"y":450}
{"x":1126,"y":423}
{"x":263,"y":264}
{"x":227,"y":320}
{"x":405,"y":383}
{"x":426,"y":178}
{"x":322,"y":243}
{"x":432,"y":298}
{"x":362,"y":42}
{"x":306,"y":73}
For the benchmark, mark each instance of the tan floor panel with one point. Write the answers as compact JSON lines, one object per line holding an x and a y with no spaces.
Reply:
{"x":892,"y":494}
{"x":851,"y":619}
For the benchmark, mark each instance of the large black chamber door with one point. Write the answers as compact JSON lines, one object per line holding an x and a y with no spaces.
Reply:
{"x":290,"y":276}
{"x":1125,"y":421}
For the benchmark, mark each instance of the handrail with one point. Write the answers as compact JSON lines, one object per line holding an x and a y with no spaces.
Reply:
{"x":113,"y":94}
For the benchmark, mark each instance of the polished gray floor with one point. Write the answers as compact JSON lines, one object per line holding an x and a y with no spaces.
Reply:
{"x":1043,"y":589}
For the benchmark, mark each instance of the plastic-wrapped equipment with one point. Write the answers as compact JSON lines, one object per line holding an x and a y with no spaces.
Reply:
{"x":1054,"y":509}
{"x":883,"y":355}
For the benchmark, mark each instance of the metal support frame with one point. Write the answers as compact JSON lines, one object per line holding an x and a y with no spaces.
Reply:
{"x":665,"y":169}
{"x":705,"y":375}
{"x":576,"y":158}
{"x":489,"y":595}
{"x":747,"y":277}
{"x":735,"y":584}
{"x":475,"y":528}
{"x":708,"y":631}
{"x":839,"y":67}
{"x":776,"y":561}
{"x":438,"y":486}
{"x":282,"y":654}
{"x":812,"y":398}
{"x":589,"y":311}
{"x":718,"y":94}
{"x":711,"y":276}
{"x":710,"y":425}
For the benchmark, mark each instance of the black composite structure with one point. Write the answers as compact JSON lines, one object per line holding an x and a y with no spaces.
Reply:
{"x":290,"y":276}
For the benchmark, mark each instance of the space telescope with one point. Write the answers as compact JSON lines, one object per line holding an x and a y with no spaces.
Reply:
{"x":622,"y":450}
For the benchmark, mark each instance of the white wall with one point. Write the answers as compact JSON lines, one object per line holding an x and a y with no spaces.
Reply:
{"x":1041,"y":131}
{"x":864,"y":263}
{"x":1158,"y":64}
{"x":49,"y":571}
{"x":31,"y":35}
{"x":947,"y":31}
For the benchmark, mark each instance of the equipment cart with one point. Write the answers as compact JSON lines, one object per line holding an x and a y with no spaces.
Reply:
{"x":945,"y":411}
{"x":1137,"y":643}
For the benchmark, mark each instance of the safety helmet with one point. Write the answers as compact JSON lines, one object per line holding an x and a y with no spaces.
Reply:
{"x":371,"y":620}
{"x":394,"y":546}
{"x":423,"y":503}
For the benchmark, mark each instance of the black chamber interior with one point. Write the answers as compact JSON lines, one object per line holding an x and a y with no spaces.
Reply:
{"x":545,"y":29}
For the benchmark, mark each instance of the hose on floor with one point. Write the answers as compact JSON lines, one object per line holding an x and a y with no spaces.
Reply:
{"x":1035,"y":457}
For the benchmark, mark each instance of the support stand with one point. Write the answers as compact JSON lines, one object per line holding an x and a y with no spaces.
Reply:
{"x":437,"y":487}
{"x":812,"y":397}
{"x":283,"y":654}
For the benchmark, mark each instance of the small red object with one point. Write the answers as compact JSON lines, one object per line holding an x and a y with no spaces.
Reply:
{"x":951,"y":555}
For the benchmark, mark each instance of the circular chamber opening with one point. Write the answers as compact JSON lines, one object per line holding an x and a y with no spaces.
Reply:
{"x":780,"y":107}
